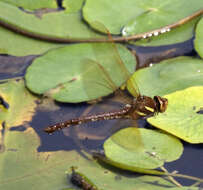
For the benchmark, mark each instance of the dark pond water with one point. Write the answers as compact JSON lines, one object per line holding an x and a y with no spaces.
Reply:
{"x":91,"y":136}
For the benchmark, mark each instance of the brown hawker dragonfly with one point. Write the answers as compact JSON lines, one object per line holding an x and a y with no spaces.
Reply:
{"x":141,"y":106}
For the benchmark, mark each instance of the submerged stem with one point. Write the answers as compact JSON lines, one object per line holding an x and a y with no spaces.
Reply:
{"x":171,"y":177}
{"x":185,"y":176}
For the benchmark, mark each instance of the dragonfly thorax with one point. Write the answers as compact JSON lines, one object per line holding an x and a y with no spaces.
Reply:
{"x":144,"y":106}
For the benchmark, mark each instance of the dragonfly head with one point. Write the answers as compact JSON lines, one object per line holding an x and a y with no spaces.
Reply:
{"x":145,"y":106}
{"x":161,"y":103}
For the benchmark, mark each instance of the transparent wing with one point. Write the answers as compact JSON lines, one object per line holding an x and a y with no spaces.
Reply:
{"x":116,"y":56}
{"x":107,"y":67}
{"x":125,"y":74}
{"x":102,"y":66}
{"x":97,"y":80}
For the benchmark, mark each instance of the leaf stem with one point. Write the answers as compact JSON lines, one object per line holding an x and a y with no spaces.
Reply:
{"x":184,"y":176}
{"x":195,"y":184}
{"x":54,"y":39}
{"x":10,"y":79}
{"x":171,"y":178}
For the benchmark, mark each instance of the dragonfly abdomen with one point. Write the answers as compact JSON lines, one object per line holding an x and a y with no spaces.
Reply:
{"x":92,"y":118}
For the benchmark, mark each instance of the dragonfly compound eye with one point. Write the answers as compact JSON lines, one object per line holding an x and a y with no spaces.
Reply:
{"x":162,"y":103}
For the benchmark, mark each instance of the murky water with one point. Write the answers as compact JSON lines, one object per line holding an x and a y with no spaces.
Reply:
{"x":91,"y":136}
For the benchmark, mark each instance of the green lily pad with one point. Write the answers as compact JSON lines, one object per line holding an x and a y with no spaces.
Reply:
{"x":47,"y":170}
{"x":143,"y":182}
{"x":157,"y":183}
{"x":177,"y":35}
{"x":133,"y":148}
{"x":146,"y":16}
{"x":158,"y":14}
{"x":55,"y":24}
{"x":19,"y":45}
{"x":72,"y":5}
{"x":168,"y":76}
{"x":30,"y":4}
{"x":182,"y":117}
{"x":185,"y":188}
{"x":79,"y":72}
{"x":15,"y":44}
{"x":199,"y":38}
{"x":21,"y":104}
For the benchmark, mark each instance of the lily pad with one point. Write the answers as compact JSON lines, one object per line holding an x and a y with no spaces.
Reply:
{"x":72,"y":5}
{"x":76,"y":73}
{"x":143,"y":182}
{"x":55,"y":24}
{"x":159,"y":14}
{"x":145,"y":16}
{"x":21,"y":104}
{"x":183,"y":116}
{"x":19,"y":45}
{"x":199,"y":38}
{"x":30,"y":4}
{"x":47,"y":170}
{"x":168,"y":76}
{"x":157,"y":183}
{"x":177,"y":35}
{"x":133,"y":148}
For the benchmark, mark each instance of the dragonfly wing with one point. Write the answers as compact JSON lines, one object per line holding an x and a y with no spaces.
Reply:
{"x":102,"y":69}
{"x":133,"y":87}
{"x":97,"y":81}
{"x":116,"y":56}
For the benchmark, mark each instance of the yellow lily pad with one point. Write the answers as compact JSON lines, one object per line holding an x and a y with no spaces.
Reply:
{"x":21,"y":103}
{"x":183,"y":116}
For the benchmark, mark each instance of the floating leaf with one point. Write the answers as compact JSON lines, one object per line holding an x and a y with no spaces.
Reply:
{"x":129,"y":152}
{"x":56,"y":24}
{"x":168,"y":76}
{"x":29,"y":4}
{"x":21,"y":103}
{"x":183,"y":116}
{"x":18,"y":45}
{"x":47,"y":170}
{"x":178,"y":35}
{"x":73,"y":73}
{"x":199,"y":38}
{"x":143,"y":182}
{"x":185,"y":188}
{"x":159,"y":14}
{"x":146,"y":16}
{"x":72,"y":5}
{"x":157,"y":183}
